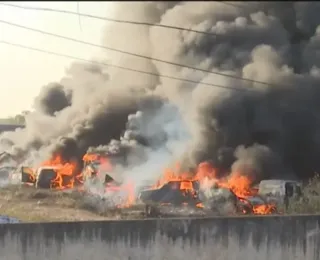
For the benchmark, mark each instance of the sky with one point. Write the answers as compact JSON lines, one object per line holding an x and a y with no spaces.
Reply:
{"x":24,"y":72}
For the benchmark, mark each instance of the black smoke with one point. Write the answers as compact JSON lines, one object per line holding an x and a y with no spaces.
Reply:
{"x":83,"y":110}
{"x":267,"y":132}
{"x":52,"y":99}
{"x":270,"y":131}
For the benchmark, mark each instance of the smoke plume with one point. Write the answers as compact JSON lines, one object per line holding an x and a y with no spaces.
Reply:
{"x":270,"y":131}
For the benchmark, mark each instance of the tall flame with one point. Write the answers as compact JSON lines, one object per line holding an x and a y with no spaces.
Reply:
{"x":105,"y":166}
{"x":66,"y":172}
{"x":103,"y":161}
{"x":241,"y":185}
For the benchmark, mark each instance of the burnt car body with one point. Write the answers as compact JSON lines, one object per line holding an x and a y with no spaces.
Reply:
{"x":47,"y":177}
{"x":101,"y":179}
{"x":280,"y":192}
{"x":173,"y":192}
{"x":217,"y":200}
{"x":106,"y":167}
{"x":98,"y":168}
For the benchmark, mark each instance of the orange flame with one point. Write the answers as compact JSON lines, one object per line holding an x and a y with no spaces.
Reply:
{"x":263,"y":209}
{"x":66,"y":172}
{"x":106,"y":166}
{"x":104,"y":162}
{"x":240,"y":185}
{"x":90,"y":157}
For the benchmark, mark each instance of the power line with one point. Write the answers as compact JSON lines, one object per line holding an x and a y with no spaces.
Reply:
{"x":108,"y":19}
{"x":138,"y":71}
{"x":79,"y":17}
{"x":123,"y":68}
{"x":135,"y":54}
{"x":120,"y":20}
{"x":128,"y":53}
{"x":231,"y":4}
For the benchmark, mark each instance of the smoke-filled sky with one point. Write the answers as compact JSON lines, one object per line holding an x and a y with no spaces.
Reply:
{"x":37,"y":69}
{"x":271,"y":131}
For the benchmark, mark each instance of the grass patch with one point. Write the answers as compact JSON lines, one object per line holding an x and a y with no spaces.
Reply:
{"x":310,"y":202}
{"x":34,"y":205}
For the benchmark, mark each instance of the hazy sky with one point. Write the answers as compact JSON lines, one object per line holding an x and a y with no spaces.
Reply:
{"x":23,"y":72}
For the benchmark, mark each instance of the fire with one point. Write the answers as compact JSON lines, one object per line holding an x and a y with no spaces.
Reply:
{"x":130,"y":195}
{"x":103,"y":161}
{"x":105,"y":166}
{"x":206,"y":174}
{"x":204,"y":171}
{"x":67,"y":175}
{"x":66,"y":172}
{"x":90,"y":157}
{"x":239,"y":184}
{"x":263,"y":209}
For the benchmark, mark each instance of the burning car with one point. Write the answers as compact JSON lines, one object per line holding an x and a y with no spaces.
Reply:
{"x":53,"y":174}
{"x":173,"y":193}
{"x":203,"y":190}
{"x":217,"y":200}
{"x":97,"y":166}
{"x":47,"y":177}
{"x":99,"y":178}
{"x":280,"y":192}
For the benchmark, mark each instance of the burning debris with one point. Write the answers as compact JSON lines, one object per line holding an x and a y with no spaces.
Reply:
{"x":124,"y":128}
{"x":204,"y":190}
{"x":53,"y":174}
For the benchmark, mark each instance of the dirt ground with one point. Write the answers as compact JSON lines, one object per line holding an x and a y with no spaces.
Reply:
{"x":33,"y":205}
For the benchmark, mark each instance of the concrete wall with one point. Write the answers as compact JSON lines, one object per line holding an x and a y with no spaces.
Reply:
{"x":249,"y":238}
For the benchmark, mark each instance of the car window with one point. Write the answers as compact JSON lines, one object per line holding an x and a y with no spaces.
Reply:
{"x":289,"y":189}
{"x":47,"y":171}
{"x":270,"y":190}
{"x":298,"y":190}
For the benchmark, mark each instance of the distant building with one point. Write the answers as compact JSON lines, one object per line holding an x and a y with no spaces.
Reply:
{"x":9,"y":127}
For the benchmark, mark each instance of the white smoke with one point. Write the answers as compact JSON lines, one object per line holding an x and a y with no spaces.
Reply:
{"x":169,"y":134}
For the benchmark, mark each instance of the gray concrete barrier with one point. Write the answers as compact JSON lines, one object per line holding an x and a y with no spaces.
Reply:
{"x":247,"y":238}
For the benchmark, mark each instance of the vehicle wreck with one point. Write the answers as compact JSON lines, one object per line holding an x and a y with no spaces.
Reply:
{"x":211,"y":201}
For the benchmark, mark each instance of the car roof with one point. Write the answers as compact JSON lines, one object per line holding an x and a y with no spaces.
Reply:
{"x":276,"y":181}
{"x":50,"y":167}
